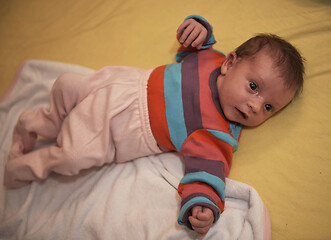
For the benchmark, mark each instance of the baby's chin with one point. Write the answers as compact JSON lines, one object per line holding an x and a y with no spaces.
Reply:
{"x":234,"y":120}
{"x":250,"y":125}
{"x":237,"y":117}
{"x":244,"y":122}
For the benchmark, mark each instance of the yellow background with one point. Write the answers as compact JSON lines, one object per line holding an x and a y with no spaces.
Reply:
{"x":287,"y":160}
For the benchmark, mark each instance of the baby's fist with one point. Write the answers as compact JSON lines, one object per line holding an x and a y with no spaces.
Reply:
{"x":192,"y":33}
{"x":202,"y":219}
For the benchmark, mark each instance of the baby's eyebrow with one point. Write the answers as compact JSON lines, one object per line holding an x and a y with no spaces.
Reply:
{"x":276,"y":105}
{"x":261,"y":81}
{"x":257,"y":76}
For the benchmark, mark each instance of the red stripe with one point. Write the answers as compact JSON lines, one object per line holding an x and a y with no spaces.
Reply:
{"x":156,"y":109}
{"x":203,"y":144}
{"x":186,"y":49}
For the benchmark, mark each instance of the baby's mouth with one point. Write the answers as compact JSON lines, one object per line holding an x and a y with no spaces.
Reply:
{"x":244,"y":115}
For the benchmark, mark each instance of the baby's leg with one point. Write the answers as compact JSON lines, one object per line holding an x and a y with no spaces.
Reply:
{"x":68,"y":91}
{"x":22,"y":142}
{"x":84,"y":141}
{"x":37,"y":165}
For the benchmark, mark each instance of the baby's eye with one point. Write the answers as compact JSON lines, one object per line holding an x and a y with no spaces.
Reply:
{"x":253,"y":86}
{"x":268,"y":107}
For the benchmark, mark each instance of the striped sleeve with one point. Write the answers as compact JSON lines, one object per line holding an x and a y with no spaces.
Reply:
{"x":207,"y":161}
{"x":209,"y":42}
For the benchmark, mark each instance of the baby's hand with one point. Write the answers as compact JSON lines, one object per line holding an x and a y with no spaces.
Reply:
{"x":202,"y":219}
{"x":190,"y":32}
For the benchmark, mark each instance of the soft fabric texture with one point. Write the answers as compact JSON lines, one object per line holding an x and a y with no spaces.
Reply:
{"x":287,"y":159}
{"x":94,"y":119}
{"x":102,"y":117}
{"x":133,"y":200}
{"x":186,"y":116}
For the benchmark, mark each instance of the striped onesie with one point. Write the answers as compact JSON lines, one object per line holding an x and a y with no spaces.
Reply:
{"x":122,"y":113}
{"x":186,"y":116}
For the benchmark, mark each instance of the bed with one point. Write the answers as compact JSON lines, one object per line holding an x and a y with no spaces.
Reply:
{"x":281,"y":171}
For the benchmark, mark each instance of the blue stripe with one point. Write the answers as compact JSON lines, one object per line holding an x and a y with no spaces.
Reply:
{"x":197,"y":17}
{"x":205,"y":177}
{"x":174,"y":104}
{"x":225,"y":137}
{"x":196,"y":200}
{"x":235,"y":130}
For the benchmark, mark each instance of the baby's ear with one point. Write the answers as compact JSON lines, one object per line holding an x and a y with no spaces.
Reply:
{"x":229,"y":62}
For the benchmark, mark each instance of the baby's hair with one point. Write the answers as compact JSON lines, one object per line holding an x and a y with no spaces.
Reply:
{"x":286,"y":56}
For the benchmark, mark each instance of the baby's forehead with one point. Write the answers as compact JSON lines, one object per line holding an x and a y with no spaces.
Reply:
{"x":270,"y":59}
{"x":266,"y":67}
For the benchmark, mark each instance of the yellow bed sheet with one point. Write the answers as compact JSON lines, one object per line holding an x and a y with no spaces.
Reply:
{"x":287,"y":160}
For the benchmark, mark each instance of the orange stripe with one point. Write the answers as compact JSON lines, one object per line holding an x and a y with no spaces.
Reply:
{"x":203,"y":144}
{"x":156,"y":109}
{"x":219,"y":59}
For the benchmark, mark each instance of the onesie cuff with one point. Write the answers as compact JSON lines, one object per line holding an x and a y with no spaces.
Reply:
{"x":188,"y":204}
{"x":200,"y":189}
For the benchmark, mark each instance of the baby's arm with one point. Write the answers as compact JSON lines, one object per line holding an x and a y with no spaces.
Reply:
{"x":202,"y":219}
{"x":192,"y":33}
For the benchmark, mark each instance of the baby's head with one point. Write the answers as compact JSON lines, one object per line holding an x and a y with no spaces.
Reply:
{"x":259,"y":79}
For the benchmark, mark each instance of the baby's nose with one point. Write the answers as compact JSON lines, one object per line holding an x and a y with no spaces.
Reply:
{"x":256,"y":104}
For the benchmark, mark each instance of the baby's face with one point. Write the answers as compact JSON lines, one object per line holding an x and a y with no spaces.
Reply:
{"x":251,"y":90}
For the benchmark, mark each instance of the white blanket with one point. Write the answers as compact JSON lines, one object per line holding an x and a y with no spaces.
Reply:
{"x":134,"y":200}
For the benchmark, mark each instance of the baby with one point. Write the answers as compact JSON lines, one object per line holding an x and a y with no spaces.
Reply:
{"x":195,"y":107}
